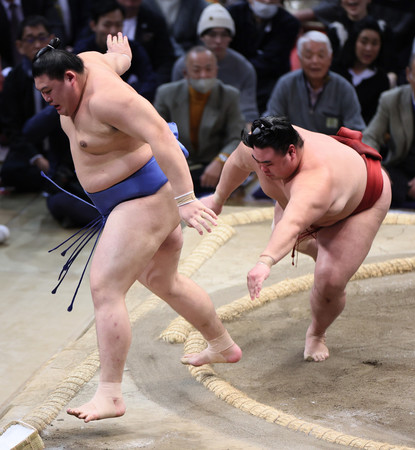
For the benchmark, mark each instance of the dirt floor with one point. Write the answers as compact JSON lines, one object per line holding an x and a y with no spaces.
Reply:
{"x":364,"y":390}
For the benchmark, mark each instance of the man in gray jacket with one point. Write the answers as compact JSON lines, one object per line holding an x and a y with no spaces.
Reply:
{"x":391,"y":132}
{"x":313,"y":97}
{"x":207,"y":114}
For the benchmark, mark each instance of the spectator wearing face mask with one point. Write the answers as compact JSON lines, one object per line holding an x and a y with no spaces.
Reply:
{"x":207,"y":114}
{"x":216,"y":29}
{"x":265,"y":33}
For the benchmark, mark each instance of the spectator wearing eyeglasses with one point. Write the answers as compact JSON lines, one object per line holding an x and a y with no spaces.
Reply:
{"x":12,"y":12}
{"x":21,"y":101}
{"x":216,"y":29}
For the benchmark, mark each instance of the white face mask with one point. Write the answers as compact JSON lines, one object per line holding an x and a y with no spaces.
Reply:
{"x":263,"y":10}
{"x":203,"y":85}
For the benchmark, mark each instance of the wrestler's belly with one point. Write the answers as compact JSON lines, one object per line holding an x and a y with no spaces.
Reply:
{"x":99,"y":172}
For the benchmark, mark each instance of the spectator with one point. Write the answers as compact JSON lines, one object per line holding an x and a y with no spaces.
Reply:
{"x":75,"y":16}
{"x":107,"y":18}
{"x":20,"y":102}
{"x":400,"y":17}
{"x":391,"y":132}
{"x":216,"y":29}
{"x":324,"y":11}
{"x":148,"y":27}
{"x":181,"y":17}
{"x":207,"y":115}
{"x":12,"y":12}
{"x":360,"y":66}
{"x":352,"y":12}
{"x":313,"y":97}
{"x":68,"y":211}
{"x":265,"y":33}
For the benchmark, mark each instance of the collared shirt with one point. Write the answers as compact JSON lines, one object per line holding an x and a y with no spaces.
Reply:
{"x":170,"y":9}
{"x":19,"y":9}
{"x":129,"y":27}
{"x":313,"y":94}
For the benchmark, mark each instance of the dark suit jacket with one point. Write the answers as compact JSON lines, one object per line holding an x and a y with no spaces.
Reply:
{"x":44,"y":8}
{"x":184,"y":31}
{"x":152,"y":34}
{"x":18,"y":108}
{"x":140,"y":75}
{"x":268,"y":48}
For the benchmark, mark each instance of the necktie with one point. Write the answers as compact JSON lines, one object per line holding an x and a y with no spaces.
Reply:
{"x":14,"y":25}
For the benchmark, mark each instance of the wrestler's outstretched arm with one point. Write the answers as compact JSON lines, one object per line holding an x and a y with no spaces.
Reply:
{"x":234,"y":173}
{"x":136,"y":117}
{"x":310,"y":199}
{"x":119,"y":53}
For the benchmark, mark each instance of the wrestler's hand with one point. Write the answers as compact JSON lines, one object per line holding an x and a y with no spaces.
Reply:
{"x":210,"y":176}
{"x":197,"y":215}
{"x":211,"y":201}
{"x":119,"y":44}
{"x":256,"y":276}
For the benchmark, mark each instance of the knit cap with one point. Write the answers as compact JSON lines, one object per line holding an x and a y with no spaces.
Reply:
{"x":215,"y":16}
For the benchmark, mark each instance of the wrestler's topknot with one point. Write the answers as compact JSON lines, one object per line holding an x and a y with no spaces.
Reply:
{"x":271,"y":131}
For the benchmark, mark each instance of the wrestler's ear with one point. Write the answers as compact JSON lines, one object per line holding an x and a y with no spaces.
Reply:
{"x":292,"y":151}
{"x":70,"y":76}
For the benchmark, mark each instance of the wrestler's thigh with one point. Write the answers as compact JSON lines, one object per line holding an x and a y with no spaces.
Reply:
{"x":343,"y":246}
{"x":132,"y":235}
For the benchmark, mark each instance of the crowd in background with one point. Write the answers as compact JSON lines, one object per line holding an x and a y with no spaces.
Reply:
{"x":212,"y":68}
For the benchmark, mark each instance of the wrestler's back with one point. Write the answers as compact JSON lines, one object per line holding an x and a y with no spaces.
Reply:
{"x":344,"y":171}
{"x":102,"y":154}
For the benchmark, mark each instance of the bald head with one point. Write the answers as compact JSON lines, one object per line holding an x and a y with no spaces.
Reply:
{"x":201,"y":63}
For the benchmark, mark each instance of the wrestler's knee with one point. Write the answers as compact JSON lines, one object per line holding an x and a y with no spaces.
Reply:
{"x":105,"y":290}
{"x":329,"y":283}
{"x":162,"y":284}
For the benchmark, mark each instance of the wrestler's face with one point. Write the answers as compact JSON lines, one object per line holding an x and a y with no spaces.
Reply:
{"x":60,"y":94}
{"x":315,"y":60}
{"x":367,"y":47}
{"x":110,"y":23}
{"x":355,"y":9}
{"x":273,"y":165}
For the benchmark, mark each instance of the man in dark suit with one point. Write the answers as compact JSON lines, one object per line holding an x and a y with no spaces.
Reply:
{"x":148,"y":27}
{"x":20,"y":102}
{"x":24,"y":9}
{"x":107,"y":18}
{"x":181,"y":17}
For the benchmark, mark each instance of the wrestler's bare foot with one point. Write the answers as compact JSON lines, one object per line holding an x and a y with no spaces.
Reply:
{"x":315,"y":347}
{"x":231,"y":355}
{"x":106,"y":403}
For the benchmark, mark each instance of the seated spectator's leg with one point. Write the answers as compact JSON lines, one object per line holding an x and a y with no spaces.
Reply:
{"x":23,"y":178}
{"x":70,"y":212}
{"x":399,"y":186}
{"x":199,"y":190}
